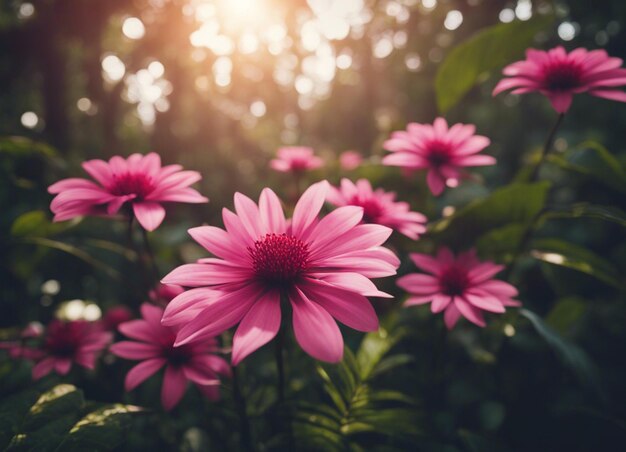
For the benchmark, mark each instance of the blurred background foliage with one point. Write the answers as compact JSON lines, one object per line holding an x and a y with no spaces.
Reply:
{"x":217,"y":86}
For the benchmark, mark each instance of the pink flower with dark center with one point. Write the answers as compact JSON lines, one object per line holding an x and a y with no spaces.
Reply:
{"x":458,"y":286}
{"x":153,"y":345}
{"x":297,"y":159}
{"x":350,"y":160}
{"x":139,"y":180}
{"x":560,"y":75}
{"x":65,"y":343}
{"x":441,"y":150}
{"x":322,"y":267}
{"x":379,"y":207}
{"x":162,"y":294}
{"x":114,"y":316}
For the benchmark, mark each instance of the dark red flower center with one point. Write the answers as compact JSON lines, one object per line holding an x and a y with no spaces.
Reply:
{"x":138,"y":184}
{"x":64,"y":339}
{"x":438,"y":153}
{"x":372,"y":210}
{"x":279,"y":258}
{"x":178,"y":356}
{"x":453,"y":281}
{"x":563,"y":76}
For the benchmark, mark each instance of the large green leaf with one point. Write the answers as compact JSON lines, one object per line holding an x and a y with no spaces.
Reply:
{"x":36,"y":223}
{"x":593,"y":160}
{"x":513,"y":204}
{"x":565,"y":314}
{"x":486,"y":51}
{"x":560,"y":252}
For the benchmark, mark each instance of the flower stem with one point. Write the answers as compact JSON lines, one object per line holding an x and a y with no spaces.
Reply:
{"x":151,"y":258}
{"x":240,"y":403}
{"x":547,"y":147}
{"x":280,"y":366}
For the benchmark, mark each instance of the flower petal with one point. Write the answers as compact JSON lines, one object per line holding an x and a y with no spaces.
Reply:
{"x":141,"y":372}
{"x":174,"y":387}
{"x":149,"y":214}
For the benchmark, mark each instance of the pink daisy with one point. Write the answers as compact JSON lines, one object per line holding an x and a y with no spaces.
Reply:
{"x":462,"y":286}
{"x":139,"y":180}
{"x":322,"y":267}
{"x":559,"y":75}
{"x":350,"y":160}
{"x":153,"y":345}
{"x":65,"y":343}
{"x":441,"y":150}
{"x":379,"y":207}
{"x":297,"y":159}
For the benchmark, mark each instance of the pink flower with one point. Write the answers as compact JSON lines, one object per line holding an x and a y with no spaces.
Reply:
{"x":559,"y":75}
{"x":79,"y":342}
{"x":441,"y":151}
{"x":153,"y":345}
{"x":114,"y":316}
{"x":379,"y":207}
{"x":322,"y":267}
{"x":139,"y":180}
{"x":162,"y":294}
{"x":21,"y":348}
{"x":350,"y":160}
{"x":297,"y":159}
{"x":462,"y":286}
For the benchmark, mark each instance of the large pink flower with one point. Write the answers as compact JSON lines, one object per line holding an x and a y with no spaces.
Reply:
{"x":139,"y":180}
{"x":462,"y":286}
{"x":153,"y":345}
{"x":64,"y":343}
{"x":441,"y":150}
{"x":559,"y":75}
{"x":379,"y":207}
{"x":297,"y":159}
{"x":322,"y":267}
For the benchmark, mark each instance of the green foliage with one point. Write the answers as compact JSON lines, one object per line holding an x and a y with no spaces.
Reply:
{"x":61,"y":419}
{"x":565,"y":314}
{"x":560,"y":252}
{"x":360,"y":414}
{"x":585,"y":210}
{"x":501,"y":217}
{"x":486,"y":51}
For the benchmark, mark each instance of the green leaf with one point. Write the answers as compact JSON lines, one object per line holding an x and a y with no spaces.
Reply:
{"x":486,"y":51}
{"x":572,"y":356}
{"x":513,"y":204}
{"x":595,"y":161}
{"x":565,"y":314}
{"x":374,"y":347}
{"x":585,"y":210}
{"x":565,"y":254}
{"x":36,"y":223}
{"x":22,"y":146}
{"x":501,"y":243}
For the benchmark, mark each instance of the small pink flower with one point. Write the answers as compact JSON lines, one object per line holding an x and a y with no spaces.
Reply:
{"x":350,"y":160}
{"x":21,"y":348}
{"x":322,"y":267}
{"x":379,"y":207}
{"x":441,"y":150}
{"x":559,"y":75}
{"x":114,"y":316}
{"x":297,"y":159}
{"x":162,"y":294}
{"x":462,"y":286}
{"x":64,"y":343}
{"x":139,"y":180}
{"x":153,"y":345}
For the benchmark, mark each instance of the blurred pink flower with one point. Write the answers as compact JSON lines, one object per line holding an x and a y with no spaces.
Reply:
{"x":462,"y":286}
{"x":379,"y":207}
{"x":153,"y":345}
{"x":65,"y":343}
{"x":441,"y":151}
{"x":139,"y":180}
{"x":297,"y":159}
{"x":114,"y":316}
{"x":21,"y":348}
{"x":559,"y":75}
{"x":350,"y":160}
{"x":162,"y":294}
{"x":321,"y":266}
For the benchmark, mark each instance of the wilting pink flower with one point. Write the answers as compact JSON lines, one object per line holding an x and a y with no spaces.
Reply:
{"x":139,"y":180}
{"x":297,"y":159}
{"x":441,"y":151}
{"x":350,"y":160}
{"x":65,"y":343}
{"x":153,"y":345}
{"x":379,"y":207}
{"x":322,"y":267}
{"x":114,"y":316}
{"x":462,"y":286}
{"x":559,"y":75}
{"x":162,"y":294}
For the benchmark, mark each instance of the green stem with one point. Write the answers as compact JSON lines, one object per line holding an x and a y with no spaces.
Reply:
{"x":151,"y":258}
{"x":244,"y":422}
{"x":547,"y":147}
{"x":280,"y":365}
